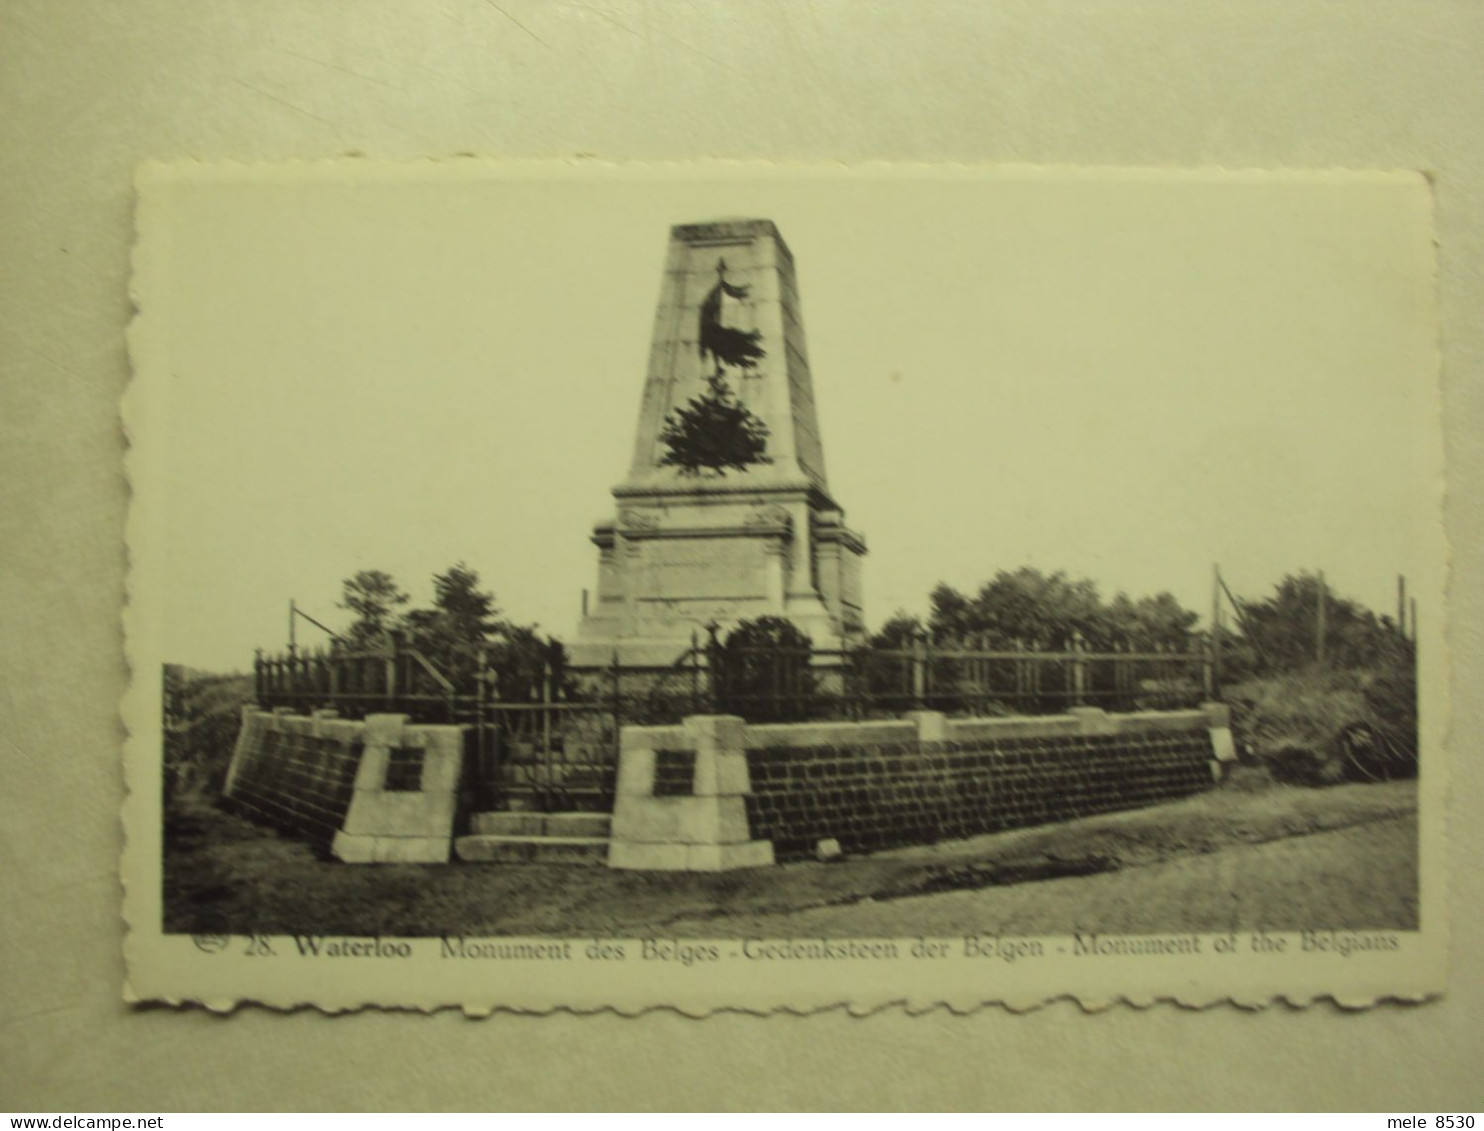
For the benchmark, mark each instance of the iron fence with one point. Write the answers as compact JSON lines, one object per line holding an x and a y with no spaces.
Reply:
{"x":547,"y":739}
{"x":394,"y":677}
{"x":760,"y":683}
{"x":766,"y":684}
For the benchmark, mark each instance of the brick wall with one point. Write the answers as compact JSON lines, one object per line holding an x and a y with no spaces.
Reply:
{"x":287,"y":776}
{"x":980,"y":778}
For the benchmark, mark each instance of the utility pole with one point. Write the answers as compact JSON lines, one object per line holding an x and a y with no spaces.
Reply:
{"x":1401,"y":605}
{"x":1319,"y":622}
{"x":1216,"y":630}
{"x":293,"y":616}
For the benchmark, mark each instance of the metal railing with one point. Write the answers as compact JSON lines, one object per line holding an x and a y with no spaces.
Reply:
{"x":761,"y":683}
{"x":545,"y":736}
{"x":873,"y":682}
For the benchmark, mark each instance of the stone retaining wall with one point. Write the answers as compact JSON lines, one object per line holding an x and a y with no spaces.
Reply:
{"x":373,"y":791}
{"x":877,"y":785}
{"x":877,"y":796}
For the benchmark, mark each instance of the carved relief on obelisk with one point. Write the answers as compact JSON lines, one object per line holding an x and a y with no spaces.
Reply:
{"x":725,"y":513}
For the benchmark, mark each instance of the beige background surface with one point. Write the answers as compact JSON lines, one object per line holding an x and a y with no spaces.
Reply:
{"x":90,"y":87}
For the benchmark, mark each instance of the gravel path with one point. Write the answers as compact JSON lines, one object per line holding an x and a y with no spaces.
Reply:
{"x":1364,"y":877}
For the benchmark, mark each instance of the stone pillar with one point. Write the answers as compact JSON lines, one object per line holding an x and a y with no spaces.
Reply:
{"x":1094,"y":720}
{"x":932,"y":726}
{"x":412,"y":824}
{"x":249,"y":737}
{"x":775,"y":555}
{"x":681,"y":803}
{"x":1218,"y":722}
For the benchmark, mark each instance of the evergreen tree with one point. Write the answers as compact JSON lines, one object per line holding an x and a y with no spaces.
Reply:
{"x":899,"y":631}
{"x":374,"y":597}
{"x":463,"y":618}
{"x":462,"y":621}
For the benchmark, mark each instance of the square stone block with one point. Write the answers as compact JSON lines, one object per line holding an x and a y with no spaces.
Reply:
{"x":1217,"y":714}
{"x":651,"y":819}
{"x":932,"y":726}
{"x":636,"y":770}
{"x":724,"y":774}
{"x":353,"y":849}
{"x":364,"y":817}
{"x":1093,"y":720}
{"x":376,"y":813}
{"x":720,"y":820}
{"x":442,"y":764}
{"x":371,"y":773}
{"x":727,"y":857}
{"x":648,"y":857}
{"x":384,"y":730}
{"x":710,"y":733}
{"x":343,"y":731}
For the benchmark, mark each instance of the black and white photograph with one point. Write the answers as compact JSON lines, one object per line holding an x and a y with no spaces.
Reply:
{"x":775,"y":580}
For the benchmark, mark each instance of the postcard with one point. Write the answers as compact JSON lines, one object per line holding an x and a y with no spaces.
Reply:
{"x":778,"y":587}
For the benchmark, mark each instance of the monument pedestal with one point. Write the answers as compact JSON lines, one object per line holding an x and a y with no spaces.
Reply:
{"x":674,"y":563}
{"x":725,"y":514}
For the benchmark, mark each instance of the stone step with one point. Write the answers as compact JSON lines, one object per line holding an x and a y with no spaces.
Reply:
{"x":489,"y":849}
{"x":522,"y":800}
{"x":501,"y":823}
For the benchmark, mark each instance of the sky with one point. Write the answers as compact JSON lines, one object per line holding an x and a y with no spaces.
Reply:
{"x":1129,"y":376}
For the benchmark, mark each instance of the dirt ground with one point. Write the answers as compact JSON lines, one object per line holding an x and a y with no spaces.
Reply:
{"x":1275,"y":858}
{"x":1357,"y":878}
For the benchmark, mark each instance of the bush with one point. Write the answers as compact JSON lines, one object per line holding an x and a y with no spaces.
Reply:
{"x":202,"y":713}
{"x":1319,"y":726}
{"x":1391,"y":700}
{"x":1306,"y":709}
{"x":763,"y":672}
{"x":1293,"y":764}
{"x":1384,"y":745}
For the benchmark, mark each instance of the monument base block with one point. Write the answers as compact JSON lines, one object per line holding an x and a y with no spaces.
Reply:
{"x":682,"y":799}
{"x":680,"y":560}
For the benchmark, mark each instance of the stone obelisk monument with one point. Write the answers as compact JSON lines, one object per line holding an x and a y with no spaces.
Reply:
{"x":725,"y":514}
